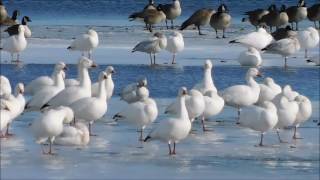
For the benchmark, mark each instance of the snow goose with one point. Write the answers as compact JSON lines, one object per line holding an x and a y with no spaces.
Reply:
{"x":221,"y":20}
{"x":308,"y":39}
{"x":13,"y":30}
{"x":152,"y":46}
{"x":85,"y":43}
{"x":74,"y":136}
{"x":207,"y":83}
{"x":15,"y":44}
{"x":172,"y":11}
{"x":109,"y":85}
{"x":42,"y":96}
{"x":268,"y":90}
{"x":50,"y":125}
{"x":250,"y":57}
{"x":287,"y":111}
{"x":174,"y":129}
{"x":5,"y":86}
{"x":259,"y":118}
{"x":199,"y":18}
{"x":140,"y":113}
{"x":243,"y":95}
{"x":74,"y":93}
{"x":90,"y":108}
{"x":213,"y":105}
{"x":297,"y":13}
{"x":304,"y":113}
{"x":284,"y":47}
{"x":129,"y":93}
{"x":250,"y":39}
{"x":175,"y":44}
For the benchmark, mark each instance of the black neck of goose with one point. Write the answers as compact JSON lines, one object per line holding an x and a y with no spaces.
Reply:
{"x":24,"y":21}
{"x":14,"y":15}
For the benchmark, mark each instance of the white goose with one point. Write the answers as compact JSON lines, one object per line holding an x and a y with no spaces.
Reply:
{"x":85,"y":43}
{"x":5,"y":86}
{"x":140,"y":113}
{"x":44,"y":81}
{"x":258,"y":118}
{"x":175,"y":129}
{"x":50,"y":125}
{"x":213,"y":105}
{"x":268,"y":90}
{"x":250,"y":57}
{"x":175,"y":44}
{"x":109,"y":85}
{"x":90,"y":108}
{"x":71,"y":94}
{"x":304,"y":113}
{"x":287,"y":111}
{"x":74,"y":136}
{"x":15,"y":44}
{"x":243,"y":95}
{"x":42,"y":96}
{"x":207,"y":83}
{"x":308,"y":39}
{"x":250,"y":39}
{"x":129,"y":94}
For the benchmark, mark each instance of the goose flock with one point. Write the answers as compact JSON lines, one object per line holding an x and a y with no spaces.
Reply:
{"x":68,"y":108}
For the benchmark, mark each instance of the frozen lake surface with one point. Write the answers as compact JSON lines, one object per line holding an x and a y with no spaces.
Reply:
{"x":227,"y":152}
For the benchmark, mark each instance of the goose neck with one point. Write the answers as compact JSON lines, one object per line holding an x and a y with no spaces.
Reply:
{"x":84,"y":78}
{"x":182,"y":109}
{"x":102,"y":90}
{"x":207,"y":79}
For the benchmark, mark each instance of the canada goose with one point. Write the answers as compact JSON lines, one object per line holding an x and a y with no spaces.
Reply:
{"x":297,"y":13}
{"x":314,"y":14}
{"x":283,"y":17}
{"x":172,"y":11}
{"x":199,"y":18}
{"x":282,"y":33}
{"x":140,"y":15}
{"x":9,"y":21}
{"x":12,"y":30}
{"x":151,"y":5}
{"x":3,"y":12}
{"x":221,"y":20}
{"x":255,"y":16}
{"x":153,"y":16}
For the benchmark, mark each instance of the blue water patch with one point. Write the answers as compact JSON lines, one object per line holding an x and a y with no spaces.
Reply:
{"x":165,"y":81}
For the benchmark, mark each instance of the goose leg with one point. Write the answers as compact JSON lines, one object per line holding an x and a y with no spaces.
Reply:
{"x":297,"y":26}
{"x":174,"y":59}
{"x":203,"y":125}
{"x":8,"y":134}
{"x":174,"y":148}
{"x":172,"y":24}
{"x":261,"y":140}
{"x":295,"y":133}
{"x":167,"y":24}
{"x":223,"y":31}
{"x":141,"y":135}
{"x":154,"y":59}
{"x":150,"y":59}
{"x":169,"y":145}
{"x":217,"y":34}
{"x":238,"y":118}
{"x":280,"y":140}
{"x":285,"y":62}
{"x":90,"y":130}
{"x":199,"y":31}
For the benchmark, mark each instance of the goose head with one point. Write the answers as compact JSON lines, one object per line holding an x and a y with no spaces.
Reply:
{"x":208,"y":64}
{"x":223,"y":9}
{"x":151,"y":2}
{"x":283,"y":8}
{"x":25,"y":19}
{"x":253,"y":72}
{"x":110,"y":70}
{"x":142,"y":81}
{"x":272,"y":7}
{"x":19,"y":89}
{"x":103,"y":76}
{"x":159,"y":35}
{"x":301,"y":3}
{"x":92,"y":32}
{"x":61,"y":66}
{"x":289,"y":93}
{"x":21,"y":29}
{"x":84,"y":62}
{"x":182,"y":92}
{"x":15,"y":14}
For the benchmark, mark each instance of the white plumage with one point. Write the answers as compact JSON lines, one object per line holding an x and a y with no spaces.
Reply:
{"x":109,"y":85}
{"x":250,"y":57}
{"x":74,"y":136}
{"x":304,"y":113}
{"x":207,"y":83}
{"x":175,"y":44}
{"x":308,"y":39}
{"x":129,"y":93}
{"x":86,"y":42}
{"x":5,"y":86}
{"x":268,"y":90}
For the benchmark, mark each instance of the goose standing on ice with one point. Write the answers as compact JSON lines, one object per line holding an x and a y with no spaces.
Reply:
{"x":304,"y":113}
{"x":153,"y":16}
{"x":140,"y":15}
{"x":308,"y":39}
{"x":259,"y":118}
{"x":297,"y":13}
{"x":243,"y":95}
{"x":314,"y":14}
{"x":9,"y":21}
{"x":255,"y":16}
{"x":174,"y":129}
{"x":250,"y":39}
{"x":73,"y":93}
{"x":152,"y":46}
{"x":199,"y":18}
{"x":45,"y":81}
{"x":250,"y":57}
{"x":268,"y":90}
{"x":12,"y":30}
{"x":85,"y":43}
{"x":213,"y":105}
{"x":207,"y":82}
{"x":5,"y":86}
{"x":172,"y":11}
{"x":284,"y":47}
{"x":140,"y":113}
{"x":270,"y":19}
{"x":90,"y":108}
{"x":175,"y":44}
{"x":43,"y":95}
{"x":77,"y":135}
{"x":15,"y":44}
{"x":109,"y":85}
{"x":129,"y":93}
{"x":50,"y":125}
{"x":221,"y":20}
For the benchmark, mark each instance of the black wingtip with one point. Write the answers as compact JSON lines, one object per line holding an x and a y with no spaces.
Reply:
{"x":69,"y":47}
{"x":146,"y":139}
{"x":309,"y":61}
{"x":116,"y":116}
{"x":44,"y":106}
{"x":233,"y":41}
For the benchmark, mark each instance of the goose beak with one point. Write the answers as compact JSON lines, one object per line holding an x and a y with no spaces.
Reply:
{"x":65,"y":68}
{"x":94,"y":65}
{"x":184,"y":92}
{"x":113,"y":71}
{"x":259,"y":74}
